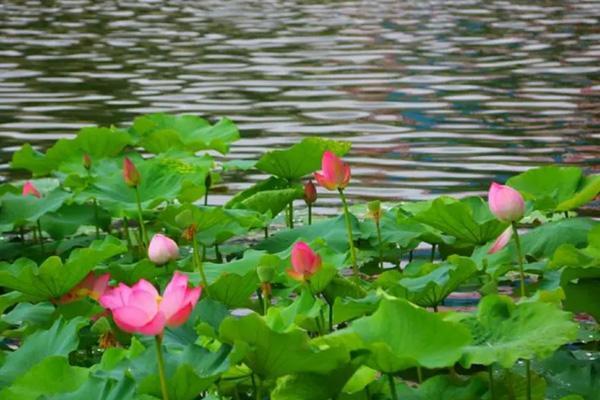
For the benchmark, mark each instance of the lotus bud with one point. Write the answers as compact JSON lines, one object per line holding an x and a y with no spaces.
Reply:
{"x":334,"y":174}
{"x":310,"y":192}
{"x":162,"y":249}
{"x":506,"y":203}
{"x":130,"y":173}
{"x":30,"y":189}
{"x":375,"y":210}
{"x":305,"y":262}
{"x":87,"y":161}
{"x":501,"y":241}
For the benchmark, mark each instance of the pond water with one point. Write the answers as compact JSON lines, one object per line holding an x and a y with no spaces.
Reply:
{"x":436,"y":96}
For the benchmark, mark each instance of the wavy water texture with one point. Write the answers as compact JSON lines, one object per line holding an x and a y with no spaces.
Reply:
{"x":437,"y":96}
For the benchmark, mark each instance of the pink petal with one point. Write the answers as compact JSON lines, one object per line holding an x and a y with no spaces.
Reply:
{"x":131,"y":317}
{"x":505,"y":203}
{"x":115,"y":297}
{"x":180,"y":316}
{"x":501,"y":241}
{"x":323,"y":181}
{"x":145,"y":286}
{"x":174,"y":296}
{"x":154,"y":327}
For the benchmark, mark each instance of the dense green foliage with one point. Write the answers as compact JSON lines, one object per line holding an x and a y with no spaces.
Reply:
{"x":387,"y":335}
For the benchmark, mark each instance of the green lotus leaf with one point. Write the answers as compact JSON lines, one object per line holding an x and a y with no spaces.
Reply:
{"x":163,"y":179}
{"x":468,"y":220}
{"x":59,"y":340}
{"x":401,"y":335}
{"x":95,"y":388}
{"x":435,"y":282}
{"x":53,"y":278}
{"x":567,"y":374}
{"x":272,"y":201}
{"x":272,"y":354}
{"x":30,"y":314}
{"x":512,"y":385}
{"x":158,"y":133}
{"x":234,"y":290}
{"x":554,"y":188}
{"x":348,"y":308}
{"x":301,"y":159}
{"x":443,"y":387}
{"x":70,"y":217}
{"x":67,"y":154}
{"x":17,"y":210}
{"x":52,"y":376}
{"x":505,"y":332}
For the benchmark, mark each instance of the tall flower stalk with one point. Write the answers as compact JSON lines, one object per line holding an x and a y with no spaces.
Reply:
{"x":161,"y":367}
{"x":132,"y":178}
{"x":335,"y":175}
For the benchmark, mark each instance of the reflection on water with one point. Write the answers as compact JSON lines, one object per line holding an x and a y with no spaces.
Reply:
{"x":437,"y":96}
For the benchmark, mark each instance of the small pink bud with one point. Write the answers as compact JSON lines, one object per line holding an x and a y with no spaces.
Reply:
{"x":310,"y":192}
{"x":162,"y":249}
{"x":87,"y":161}
{"x":305,"y":262}
{"x":501,"y":241}
{"x":334,"y":174}
{"x":506,"y":203}
{"x":130,"y":173}
{"x":30,"y":189}
{"x":140,"y":309}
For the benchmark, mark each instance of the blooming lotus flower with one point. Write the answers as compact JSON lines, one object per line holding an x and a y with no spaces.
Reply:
{"x":506,"y":203}
{"x":334,"y":174}
{"x":501,"y":241}
{"x":30,"y":189}
{"x":162,"y":249}
{"x":310,"y":192}
{"x":130,"y":173}
{"x":305,"y":262}
{"x":140,"y":309}
{"x":92,"y":286}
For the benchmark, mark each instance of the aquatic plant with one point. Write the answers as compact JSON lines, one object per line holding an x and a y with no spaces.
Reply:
{"x":443,"y":299}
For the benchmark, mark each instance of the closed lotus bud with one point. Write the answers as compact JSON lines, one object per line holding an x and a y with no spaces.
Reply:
{"x":310,"y":192}
{"x":87,"y":161}
{"x":266,"y":273}
{"x":162,"y":249}
{"x":30,"y":189}
{"x":375,"y":210}
{"x":334,"y":174}
{"x":130,"y":173}
{"x":506,"y":203}
{"x":305,"y":262}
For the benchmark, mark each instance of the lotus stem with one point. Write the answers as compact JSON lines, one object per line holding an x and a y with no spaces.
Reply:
{"x":218,"y":254}
{"x":392,"y":387}
{"x":419,"y":374}
{"x":491,"y":374}
{"x":432,"y":257}
{"x":126,"y":229}
{"x":349,"y":230}
{"x":520,"y":257}
{"x":40,"y":237}
{"x":143,"y":234}
{"x":330,"y":317}
{"x":291,"y":215}
{"x":197,"y":258}
{"x":309,"y":214}
{"x":161,"y":367}
{"x":266,"y":232}
{"x":528,"y":373}
{"x":97,"y":222}
{"x":379,"y":244}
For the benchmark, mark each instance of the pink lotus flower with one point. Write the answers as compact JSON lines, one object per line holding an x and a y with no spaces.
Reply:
{"x":501,"y":241}
{"x":162,"y":249}
{"x":305,"y":262}
{"x":506,"y":203}
{"x":140,"y":309}
{"x":334,"y":174}
{"x":91,"y":286}
{"x":130,"y":173}
{"x":310,"y":192}
{"x":30,"y":189}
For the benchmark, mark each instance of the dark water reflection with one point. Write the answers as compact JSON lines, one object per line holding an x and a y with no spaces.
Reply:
{"x":437,"y":96}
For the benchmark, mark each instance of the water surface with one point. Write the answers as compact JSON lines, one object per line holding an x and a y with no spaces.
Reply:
{"x":438,"y":97}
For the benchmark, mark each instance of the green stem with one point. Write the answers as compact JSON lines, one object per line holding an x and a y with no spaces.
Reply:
{"x":432,"y":257}
{"x":218,"y":254}
{"x":349,"y":230}
{"x":254,"y":384}
{"x":161,"y":367}
{"x":126,"y":229}
{"x":520,"y":257}
{"x":510,"y":387}
{"x":40,"y":237}
{"x":392,"y":387}
{"x":266,"y":232}
{"x":320,"y":318}
{"x":492,"y":389}
{"x":528,"y":372}
{"x":206,"y":197}
{"x":199,"y":265}
{"x":291,"y":215}
{"x":380,"y":244}
{"x":97,"y":222}
{"x":144,"y":235}
{"x":330,"y":317}
{"x":310,"y":214}
{"x":266,"y":301}
{"x":419,"y":374}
